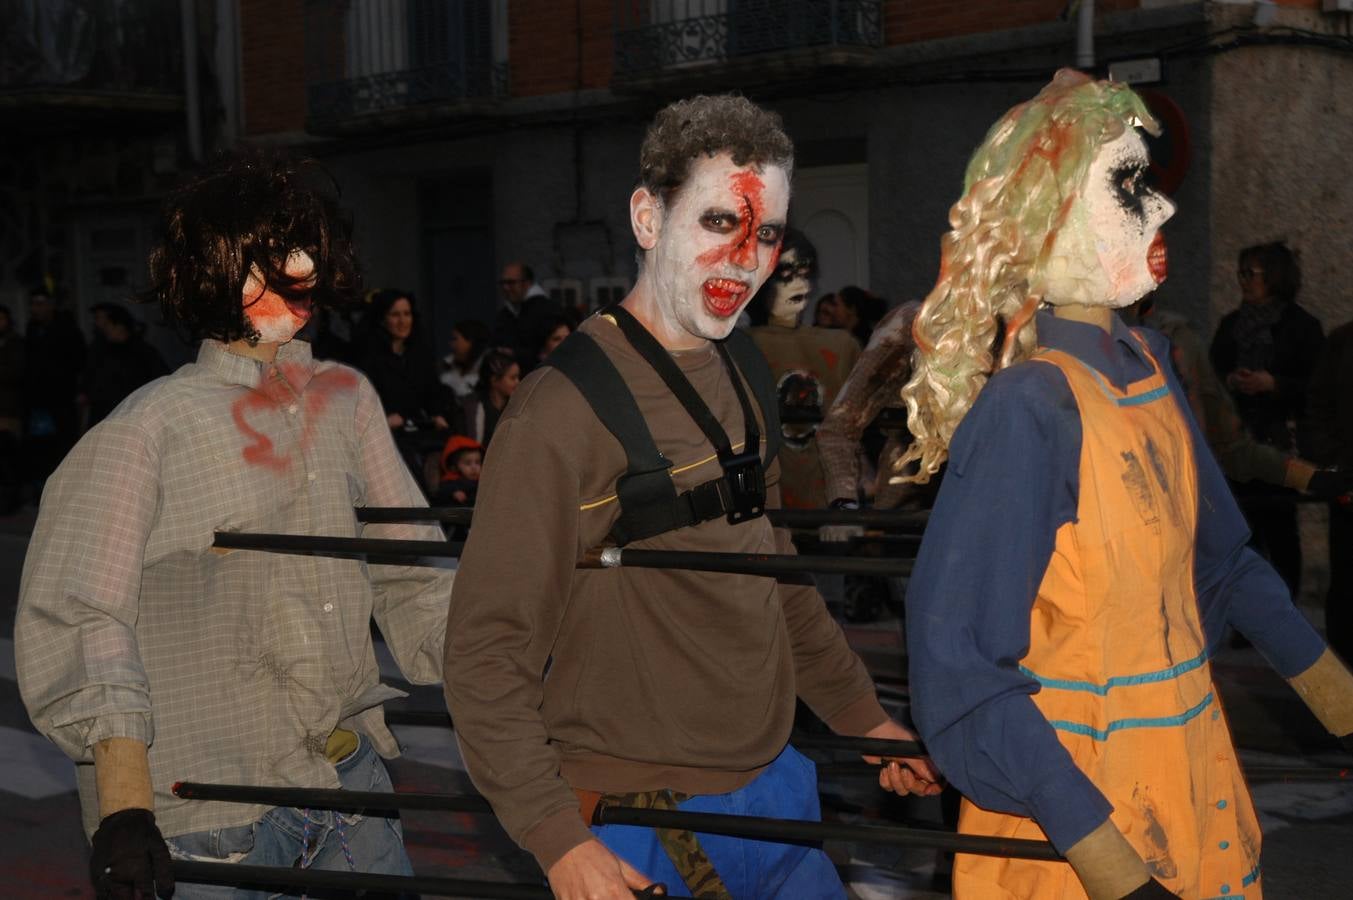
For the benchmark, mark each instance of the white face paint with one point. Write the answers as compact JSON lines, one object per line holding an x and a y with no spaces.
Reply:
{"x":1110,"y":251}
{"x":792,"y":287}
{"x":277,"y":318}
{"x":715,"y":245}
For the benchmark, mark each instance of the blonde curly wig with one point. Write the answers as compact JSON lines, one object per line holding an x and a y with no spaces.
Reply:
{"x":1019,"y":188}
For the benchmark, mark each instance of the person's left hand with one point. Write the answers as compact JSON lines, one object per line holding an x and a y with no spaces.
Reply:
{"x":1251,"y":382}
{"x":440,"y":423}
{"x":904,"y":775}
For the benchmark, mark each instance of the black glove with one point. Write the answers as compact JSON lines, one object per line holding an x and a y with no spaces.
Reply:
{"x":1152,"y":890}
{"x":129,"y":856}
{"x":1328,"y":485}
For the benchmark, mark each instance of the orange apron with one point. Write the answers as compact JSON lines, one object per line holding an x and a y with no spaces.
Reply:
{"x":1117,"y":646}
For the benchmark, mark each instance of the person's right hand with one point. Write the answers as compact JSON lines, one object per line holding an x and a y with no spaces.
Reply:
{"x":591,"y":872}
{"x":129,"y":859}
{"x":395,"y":420}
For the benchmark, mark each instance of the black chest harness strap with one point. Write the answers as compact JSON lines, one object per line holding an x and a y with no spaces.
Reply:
{"x":649,"y":503}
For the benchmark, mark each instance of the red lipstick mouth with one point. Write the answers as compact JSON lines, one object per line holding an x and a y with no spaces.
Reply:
{"x":724,"y":296}
{"x":1157,"y":259}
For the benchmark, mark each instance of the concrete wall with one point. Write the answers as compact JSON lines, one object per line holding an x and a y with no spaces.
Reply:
{"x":1282,"y":129}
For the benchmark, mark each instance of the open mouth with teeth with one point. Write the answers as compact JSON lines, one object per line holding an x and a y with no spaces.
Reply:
{"x":1157,"y":260}
{"x":723,"y":296}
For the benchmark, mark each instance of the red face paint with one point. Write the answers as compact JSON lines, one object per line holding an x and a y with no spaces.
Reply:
{"x":724,"y":296}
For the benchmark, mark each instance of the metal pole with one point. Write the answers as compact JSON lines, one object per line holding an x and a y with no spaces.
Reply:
{"x":800,"y":831}
{"x":381,"y":804}
{"x":901,"y":520}
{"x":1085,"y":36}
{"x":349,"y":883}
{"x":192,"y":106}
{"x":770,"y":565}
{"x":372,"y":550}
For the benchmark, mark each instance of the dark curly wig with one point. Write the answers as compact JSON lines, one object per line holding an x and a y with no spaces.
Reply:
{"x":250,"y":208}
{"x":710,"y":125}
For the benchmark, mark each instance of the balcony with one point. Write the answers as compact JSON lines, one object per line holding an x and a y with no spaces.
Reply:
{"x":377,"y":64}
{"x":688,"y":42}
{"x":64,"y":63}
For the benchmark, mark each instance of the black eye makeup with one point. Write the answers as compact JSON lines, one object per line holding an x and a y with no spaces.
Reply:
{"x":719,"y":221}
{"x":770,"y":235}
{"x":1130,"y":186}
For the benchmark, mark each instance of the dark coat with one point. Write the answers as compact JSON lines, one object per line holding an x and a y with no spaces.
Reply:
{"x":1297,"y":340}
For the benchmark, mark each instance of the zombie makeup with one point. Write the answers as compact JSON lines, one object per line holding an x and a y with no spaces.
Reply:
{"x":1110,"y":251}
{"x":274,"y":316}
{"x":718,"y":240}
{"x":791,"y":283}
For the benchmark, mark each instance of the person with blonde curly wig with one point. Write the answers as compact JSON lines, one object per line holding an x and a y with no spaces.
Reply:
{"x":1060,"y":668}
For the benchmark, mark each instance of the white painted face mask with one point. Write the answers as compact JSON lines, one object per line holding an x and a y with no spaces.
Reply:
{"x":718,"y":242}
{"x":277,"y":318}
{"x":791,"y":287}
{"x":1110,"y":251}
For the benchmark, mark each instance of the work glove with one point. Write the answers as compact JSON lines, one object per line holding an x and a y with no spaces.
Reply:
{"x":129,"y":858}
{"x":840,"y":534}
{"x":1330,"y":485}
{"x":1152,"y":890}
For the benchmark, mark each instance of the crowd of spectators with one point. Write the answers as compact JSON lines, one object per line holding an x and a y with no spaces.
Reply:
{"x":1270,"y":392}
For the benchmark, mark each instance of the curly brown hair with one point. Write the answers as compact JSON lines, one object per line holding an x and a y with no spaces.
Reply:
{"x":250,"y":208}
{"x":722,"y":123}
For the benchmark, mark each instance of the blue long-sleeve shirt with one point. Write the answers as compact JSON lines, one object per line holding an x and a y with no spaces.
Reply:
{"x":1012,"y":481}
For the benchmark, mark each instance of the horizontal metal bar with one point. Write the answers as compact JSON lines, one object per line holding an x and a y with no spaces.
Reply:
{"x":376,"y":551}
{"x":901,"y":520}
{"x":861,"y":745}
{"x":370,"y":803}
{"x":350,"y":883}
{"x":799,"y":831}
{"x":768,"y":564}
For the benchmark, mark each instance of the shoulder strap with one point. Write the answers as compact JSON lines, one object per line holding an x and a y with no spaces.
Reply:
{"x":751,"y":362}
{"x":648,"y":498}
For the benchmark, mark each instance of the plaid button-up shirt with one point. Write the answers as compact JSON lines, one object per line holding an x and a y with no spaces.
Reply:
{"x":234,"y":667}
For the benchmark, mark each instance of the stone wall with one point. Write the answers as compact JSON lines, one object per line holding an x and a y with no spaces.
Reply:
{"x":1282,"y":129}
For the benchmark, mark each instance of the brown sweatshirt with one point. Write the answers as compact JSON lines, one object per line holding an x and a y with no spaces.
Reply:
{"x":624,"y":680}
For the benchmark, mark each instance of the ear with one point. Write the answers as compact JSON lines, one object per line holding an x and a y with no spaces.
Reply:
{"x":645,"y":218}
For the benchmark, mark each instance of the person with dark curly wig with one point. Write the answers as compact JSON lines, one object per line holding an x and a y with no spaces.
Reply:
{"x":654,"y":676}
{"x":148,"y":656}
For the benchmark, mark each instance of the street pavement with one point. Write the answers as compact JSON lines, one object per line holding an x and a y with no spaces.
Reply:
{"x":1308,"y":825}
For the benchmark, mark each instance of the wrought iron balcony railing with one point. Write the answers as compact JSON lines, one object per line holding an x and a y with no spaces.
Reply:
{"x":665,"y":36}
{"x":373,"y":58}
{"x":91,"y":45}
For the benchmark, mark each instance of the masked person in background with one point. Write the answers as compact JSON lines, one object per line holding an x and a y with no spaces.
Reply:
{"x":1084,"y":555}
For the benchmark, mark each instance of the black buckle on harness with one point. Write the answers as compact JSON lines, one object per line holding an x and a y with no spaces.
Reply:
{"x":742,"y":489}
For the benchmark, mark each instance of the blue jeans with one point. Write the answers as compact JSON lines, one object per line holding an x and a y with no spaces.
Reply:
{"x":754,"y":870}
{"x":376,"y":844}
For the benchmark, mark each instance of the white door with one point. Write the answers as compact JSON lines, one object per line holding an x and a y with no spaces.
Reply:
{"x":830,"y":204}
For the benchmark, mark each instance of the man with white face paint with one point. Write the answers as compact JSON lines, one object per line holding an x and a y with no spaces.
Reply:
{"x":1059,"y":648}
{"x":150,"y":658}
{"x":661,"y":688}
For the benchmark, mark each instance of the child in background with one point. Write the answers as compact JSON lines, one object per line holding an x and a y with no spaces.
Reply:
{"x":462,"y":458}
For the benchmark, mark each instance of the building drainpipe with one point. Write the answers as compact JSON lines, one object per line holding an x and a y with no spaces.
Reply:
{"x":192,"y":110}
{"x":1085,"y":36}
